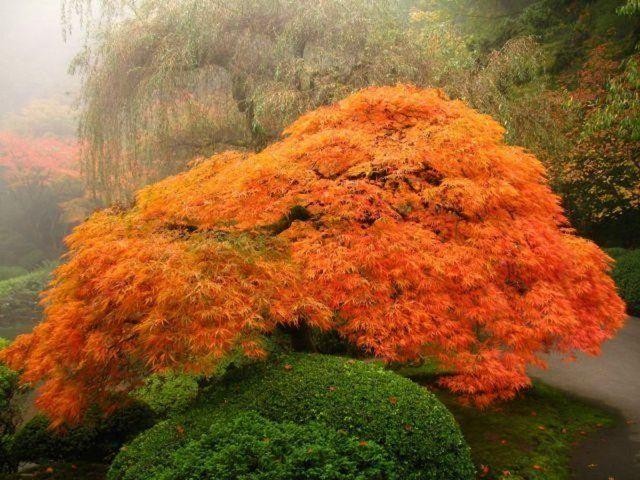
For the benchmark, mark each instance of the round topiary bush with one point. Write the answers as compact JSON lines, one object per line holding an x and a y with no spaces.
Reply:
{"x":250,"y":447}
{"x":626,"y":274}
{"x":363,"y":400}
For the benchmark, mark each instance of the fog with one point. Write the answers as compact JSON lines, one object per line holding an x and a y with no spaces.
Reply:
{"x":34,"y":58}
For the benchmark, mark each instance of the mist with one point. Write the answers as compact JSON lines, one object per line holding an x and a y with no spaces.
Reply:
{"x":34,"y":58}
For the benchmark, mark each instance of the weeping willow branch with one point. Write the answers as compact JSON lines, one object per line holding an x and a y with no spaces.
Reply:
{"x":165,"y":82}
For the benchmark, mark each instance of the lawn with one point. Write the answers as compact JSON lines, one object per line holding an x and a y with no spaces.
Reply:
{"x":529,"y":438}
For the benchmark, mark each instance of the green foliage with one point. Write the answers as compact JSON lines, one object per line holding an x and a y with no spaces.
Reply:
{"x":364,"y":400}
{"x":616,"y":252}
{"x":8,"y":411}
{"x":232,"y":73}
{"x":11,"y":271}
{"x":537,"y":429}
{"x":19,"y":297}
{"x":632,"y":7}
{"x":250,"y":447}
{"x":225,"y":85}
{"x":8,"y":390}
{"x":626,"y":273}
{"x":601,"y":179}
{"x":168,"y":393}
{"x":96,"y":440}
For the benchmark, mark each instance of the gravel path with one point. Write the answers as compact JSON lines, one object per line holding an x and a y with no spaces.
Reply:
{"x":613,"y":380}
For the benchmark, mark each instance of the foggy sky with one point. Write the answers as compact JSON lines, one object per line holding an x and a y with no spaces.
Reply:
{"x":34,"y":59}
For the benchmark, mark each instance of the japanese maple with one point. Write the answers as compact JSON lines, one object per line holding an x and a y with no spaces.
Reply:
{"x":398,"y":218}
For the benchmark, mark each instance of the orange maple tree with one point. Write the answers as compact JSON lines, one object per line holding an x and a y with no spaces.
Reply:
{"x":397,"y":217}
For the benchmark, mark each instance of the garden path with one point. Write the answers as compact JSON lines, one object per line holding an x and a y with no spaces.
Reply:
{"x":611,"y":379}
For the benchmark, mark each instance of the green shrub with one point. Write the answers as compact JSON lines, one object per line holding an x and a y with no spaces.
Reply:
{"x":7,"y":272}
{"x":250,"y":447}
{"x":8,"y":411}
{"x":168,"y":393}
{"x":19,"y":297}
{"x":33,"y":258}
{"x":361,"y":399}
{"x":626,"y":273}
{"x":8,"y":390}
{"x":616,"y":252}
{"x":97,"y":440}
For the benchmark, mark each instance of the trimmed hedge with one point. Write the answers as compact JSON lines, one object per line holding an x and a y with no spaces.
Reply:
{"x":626,"y":273}
{"x":250,"y":447}
{"x":363,"y":400}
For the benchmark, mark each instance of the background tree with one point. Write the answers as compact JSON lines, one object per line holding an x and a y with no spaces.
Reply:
{"x":43,"y":117}
{"x":166,"y":82}
{"x":40,"y":176}
{"x":397,"y":218}
{"x":601,"y":176}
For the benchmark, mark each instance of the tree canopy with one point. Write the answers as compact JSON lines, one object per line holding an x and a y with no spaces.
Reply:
{"x":397,"y":218}
{"x":167,"y":81}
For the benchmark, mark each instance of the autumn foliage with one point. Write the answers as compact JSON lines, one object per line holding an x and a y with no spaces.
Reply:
{"x":21,"y":156}
{"x":398,"y":218}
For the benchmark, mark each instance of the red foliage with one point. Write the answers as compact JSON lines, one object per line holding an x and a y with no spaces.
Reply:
{"x":594,"y":75}
{"x":21,"y":156}
{"x":397,"y":217}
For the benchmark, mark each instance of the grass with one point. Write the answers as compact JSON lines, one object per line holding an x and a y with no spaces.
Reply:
{"x":529,"y":438}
